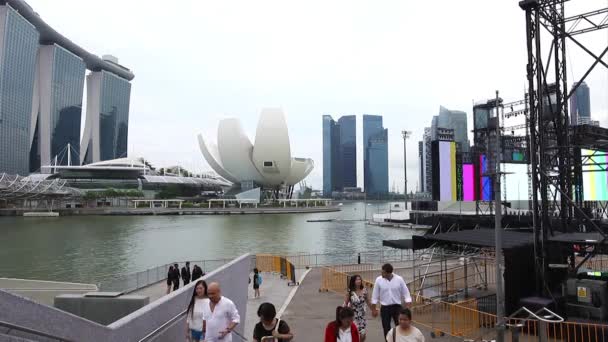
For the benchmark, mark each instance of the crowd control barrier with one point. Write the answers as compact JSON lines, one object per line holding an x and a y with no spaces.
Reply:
{"x":276,"y":264}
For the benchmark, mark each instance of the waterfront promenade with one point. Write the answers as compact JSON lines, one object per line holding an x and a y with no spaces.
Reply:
{"x":310,"y":310}
{"x":122,"y":211}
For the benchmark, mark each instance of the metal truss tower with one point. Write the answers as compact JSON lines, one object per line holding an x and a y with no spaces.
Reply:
{"x":555,"y":170}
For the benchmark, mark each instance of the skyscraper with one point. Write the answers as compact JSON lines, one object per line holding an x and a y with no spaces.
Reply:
{"x":375,"y":155}
{"x":448,"y":125}
{"x":56,"y":107}
{"x":18,"y":47}
{"x":339,"y":153}
{"x":41,"y":86}
{"x":107,"y":124}
{"x":348,"y":150}
{"x":452,"y":119}
{"x":580,"y":105}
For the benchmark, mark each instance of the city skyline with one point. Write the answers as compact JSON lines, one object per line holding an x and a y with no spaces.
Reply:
{"x":360,"y":74}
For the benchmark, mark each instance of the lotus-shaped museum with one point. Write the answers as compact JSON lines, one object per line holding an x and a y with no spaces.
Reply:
{"x":267,"y":162}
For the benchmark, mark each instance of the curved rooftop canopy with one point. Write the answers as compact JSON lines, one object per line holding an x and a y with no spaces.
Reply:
{"x":267,"y":162}
{"x":16,"y":187}
{"x":48,"y":35}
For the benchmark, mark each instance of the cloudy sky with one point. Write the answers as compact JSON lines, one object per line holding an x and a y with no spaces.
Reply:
{"x":199,"y":61}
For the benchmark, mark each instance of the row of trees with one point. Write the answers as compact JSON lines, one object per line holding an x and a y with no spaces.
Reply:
{"x":112,"y":193}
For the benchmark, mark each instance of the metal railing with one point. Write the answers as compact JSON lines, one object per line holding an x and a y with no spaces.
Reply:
{"x":169,"y":324}
{"x":14,"y":327}
{"x":134,"y":281}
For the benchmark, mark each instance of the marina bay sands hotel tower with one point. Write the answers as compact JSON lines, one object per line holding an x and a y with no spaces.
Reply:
{"x":42,"y":75}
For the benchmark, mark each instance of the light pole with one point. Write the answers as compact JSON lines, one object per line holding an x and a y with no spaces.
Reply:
{"x":405,"y":134}
{"x":500,"y":299}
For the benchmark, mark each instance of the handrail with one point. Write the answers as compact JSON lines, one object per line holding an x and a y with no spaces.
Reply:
{"x":155,"y":332}
{"x":32,"y":331}
{"x":160,"y":329}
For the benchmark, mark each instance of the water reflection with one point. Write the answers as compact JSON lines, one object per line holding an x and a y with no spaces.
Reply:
{"x":88,"y":249}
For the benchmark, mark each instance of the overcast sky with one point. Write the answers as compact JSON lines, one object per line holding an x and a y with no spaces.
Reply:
{"x":196,"y":62}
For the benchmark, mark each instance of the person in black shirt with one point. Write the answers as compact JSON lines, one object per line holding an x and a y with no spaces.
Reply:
{"x":169,"y":279}
{"x":175,"y":277}
{"x":186,"y":273}
{"x":196,"y":272}
{"x":269,"y":325}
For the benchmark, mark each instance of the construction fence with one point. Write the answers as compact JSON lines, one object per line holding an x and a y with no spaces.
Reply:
{"x":276,"y":264}
{"x":470,"y":319}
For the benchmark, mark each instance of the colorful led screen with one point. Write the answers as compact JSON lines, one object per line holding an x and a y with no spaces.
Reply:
{"x":447,"y":171}
{"x":485,"y":182}
{"x":468,"y":182}
{"x":595,"y":178}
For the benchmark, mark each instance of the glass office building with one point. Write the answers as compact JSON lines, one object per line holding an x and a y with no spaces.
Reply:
{"x":377,"y":164}
{"x":18,"y":48}
{"x":57,"y":108}
{"x":580,"y":105}
{"x":339,"y":153}
{"x":107,"y":122}
{"x":348,"y":151}
{"x":375,"y":156}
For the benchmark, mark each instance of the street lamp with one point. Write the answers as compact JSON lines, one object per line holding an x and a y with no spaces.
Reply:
{"x":406,"y":135}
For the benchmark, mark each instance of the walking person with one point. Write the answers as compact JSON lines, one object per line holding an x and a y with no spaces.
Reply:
{"x":175,"y":276}
{"x":257,"y":281}
{"x":220,"y":317}
{"x":194,"y":314}
{"x":270,"y":326}
{"x":343,"y":329}
{"x":356,"y":298}
{"x":390,"y":291}
{"x":405,"y":331}
{"x":169,"y":279}
{"x":196,"y":272}
{"x":186,"y":273}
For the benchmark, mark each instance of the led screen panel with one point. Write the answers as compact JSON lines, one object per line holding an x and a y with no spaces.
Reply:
{"x":595,"y":179}
{"x":447,"y":171}
{"x":485,"y":182}
{"x":468,"y":182}
{"x":516,"y":181}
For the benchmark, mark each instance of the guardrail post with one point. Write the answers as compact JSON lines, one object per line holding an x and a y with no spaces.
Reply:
{"x":515,"y":332}
{"x":542,"y":331}
{"x":359,"y":259}
{"x":466,"y":280}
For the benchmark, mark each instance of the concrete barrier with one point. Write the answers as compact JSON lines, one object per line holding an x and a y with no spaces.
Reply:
{"x":100,"y":307}
{"x":41,"y":291}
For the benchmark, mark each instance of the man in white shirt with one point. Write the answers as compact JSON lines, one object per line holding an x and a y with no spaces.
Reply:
{"x":390,"y":291}
{"x":220,"y":316}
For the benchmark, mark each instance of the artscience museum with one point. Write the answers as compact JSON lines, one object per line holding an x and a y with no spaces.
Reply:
{"x":265,"y":164}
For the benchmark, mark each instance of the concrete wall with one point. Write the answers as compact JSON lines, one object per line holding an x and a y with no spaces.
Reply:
{"x":103,"y":310}
{"x":233,"y":277}
{"x":43,"y":292}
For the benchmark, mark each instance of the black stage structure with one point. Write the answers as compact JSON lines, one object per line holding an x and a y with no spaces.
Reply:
{"x":556,"y":163}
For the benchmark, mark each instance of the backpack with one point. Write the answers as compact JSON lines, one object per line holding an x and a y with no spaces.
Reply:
{"x":259,"y":279}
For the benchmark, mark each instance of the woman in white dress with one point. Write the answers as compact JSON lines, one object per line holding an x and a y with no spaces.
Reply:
{"x":194,"y":314}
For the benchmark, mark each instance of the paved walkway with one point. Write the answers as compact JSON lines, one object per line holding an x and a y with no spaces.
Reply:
{"x":311,"y":310}
{"x":273,"y":290}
